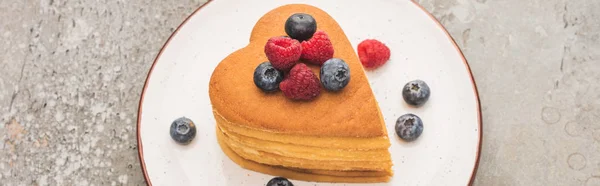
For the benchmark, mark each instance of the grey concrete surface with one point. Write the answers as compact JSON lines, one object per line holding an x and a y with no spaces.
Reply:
{"x":71,"y":73}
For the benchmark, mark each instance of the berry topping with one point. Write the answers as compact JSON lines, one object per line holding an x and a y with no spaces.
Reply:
{"x":317,"y":49}
{"x":409,"y":127}
{"x":267,"y":78}
{"x":300,"y":26}
{"x":335,"y":74}
{"x":279,"y":181}
{"x":183,"y":130}
{"x":373,"y":53}
{"x":416,"y":92}
{"x":301,"y":83}
{"x":283,"y":52}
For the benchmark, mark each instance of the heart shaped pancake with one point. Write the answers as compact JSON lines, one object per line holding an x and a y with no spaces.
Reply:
{"x":336,"y":137}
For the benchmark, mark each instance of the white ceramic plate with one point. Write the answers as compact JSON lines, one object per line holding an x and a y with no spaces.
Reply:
{"x":446,"y":153}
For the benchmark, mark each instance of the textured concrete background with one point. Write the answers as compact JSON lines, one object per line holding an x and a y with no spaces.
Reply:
{"x":71,"y":73}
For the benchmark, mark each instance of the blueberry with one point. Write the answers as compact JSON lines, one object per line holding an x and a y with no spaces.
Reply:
{"x":267,"y":78}
{"x":279,"y":181}
{"x":416,"y":92}
{"x":335,"y":74}
{"x":409,"y":127}
{"x":183,"y":130}
{"x":300,"y":26}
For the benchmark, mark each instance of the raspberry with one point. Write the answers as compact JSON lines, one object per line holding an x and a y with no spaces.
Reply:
{"x":301,"y":83}
{"x":317,"y":49}
{"x":373,"y":53}
{"x":283,"y":52}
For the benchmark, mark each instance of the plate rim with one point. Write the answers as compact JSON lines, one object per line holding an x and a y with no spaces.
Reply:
{"x":452,"y":41}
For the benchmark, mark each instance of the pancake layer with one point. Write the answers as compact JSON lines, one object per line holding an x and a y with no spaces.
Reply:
{"x":352,"y":112}
{"x":303,"y":174}
{"x":297,"y":155}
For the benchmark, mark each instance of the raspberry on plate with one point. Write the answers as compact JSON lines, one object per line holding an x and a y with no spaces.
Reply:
{"x":301,"y":83}
{"x":283,"y":52}
{"x":373,"y":53}
{"x":317,"y":49}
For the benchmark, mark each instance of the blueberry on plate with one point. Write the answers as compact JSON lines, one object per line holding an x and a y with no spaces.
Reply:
{"x":279,"y":181}
{"x":183,"y":130}
{"x":300,"y":26}
{"x":267,"y":78}
{"x":409,"y":127}
{"x":335,"y":74}
{"x":416,"y":92}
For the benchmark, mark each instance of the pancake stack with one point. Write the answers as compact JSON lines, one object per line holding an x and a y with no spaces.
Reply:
{"x":338,"y":137}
